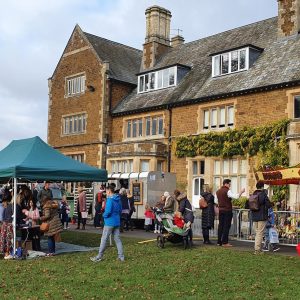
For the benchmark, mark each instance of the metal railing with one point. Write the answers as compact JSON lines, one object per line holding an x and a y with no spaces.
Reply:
{"x":287,"y":224}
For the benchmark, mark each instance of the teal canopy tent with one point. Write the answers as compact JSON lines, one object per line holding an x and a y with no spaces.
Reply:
{"x":32,"y":159}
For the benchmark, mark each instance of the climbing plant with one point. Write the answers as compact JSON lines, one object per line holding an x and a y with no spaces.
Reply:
{"x":267,"y":142}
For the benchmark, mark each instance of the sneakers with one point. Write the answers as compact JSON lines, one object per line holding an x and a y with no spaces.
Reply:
{"x":8,"y":257}
{"x":265,"y":249}
{"x":95,"y":259}
{"x":275,"y":248}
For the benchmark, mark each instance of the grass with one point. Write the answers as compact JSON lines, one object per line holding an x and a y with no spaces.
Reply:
{"x":151,"y":273}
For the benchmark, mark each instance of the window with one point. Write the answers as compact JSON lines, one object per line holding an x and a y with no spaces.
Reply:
{"x":75,"y":85}
{"x":157,"y":80}
{"x":218,"y":117}
{"x":78,"y":157}
{"x":230,"y":62}
{"x":154,"y":126}
{"x":74,"y":124}
{"x":160,"y":166}
{"x":198,"y":167}
{"x":297,"y":107}
{"x":234,"y":169}
{"x":144,"y":166}
{"x":121,"y":166}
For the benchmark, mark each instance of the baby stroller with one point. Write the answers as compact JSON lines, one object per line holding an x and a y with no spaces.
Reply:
{"x":173,"y":233}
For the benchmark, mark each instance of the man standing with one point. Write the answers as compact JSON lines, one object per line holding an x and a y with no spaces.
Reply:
{"x":112,"y":220}
{"x":45,"y":192}
{"x":260,"y":216}
{"x":224,"y":196}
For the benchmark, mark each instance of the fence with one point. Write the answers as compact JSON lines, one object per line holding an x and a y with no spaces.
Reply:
{"x":287,"y":223}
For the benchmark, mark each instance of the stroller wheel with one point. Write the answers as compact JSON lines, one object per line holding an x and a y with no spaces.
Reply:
{"x":160,"y":241}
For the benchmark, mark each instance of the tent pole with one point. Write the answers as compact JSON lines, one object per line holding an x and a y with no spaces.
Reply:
{"x":15,"y":214}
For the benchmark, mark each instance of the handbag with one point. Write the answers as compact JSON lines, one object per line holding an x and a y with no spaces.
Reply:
{"x":202,"y":203}
{"x":44,"y":227}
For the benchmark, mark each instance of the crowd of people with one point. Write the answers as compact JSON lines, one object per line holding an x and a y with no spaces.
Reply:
{"x":114,"y":209}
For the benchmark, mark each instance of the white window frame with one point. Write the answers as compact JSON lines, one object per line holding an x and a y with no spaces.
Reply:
{"x":75,"y":85}
{"x":216,"y":72}
{"x":207,"y":117}
{"x":144,"y":88}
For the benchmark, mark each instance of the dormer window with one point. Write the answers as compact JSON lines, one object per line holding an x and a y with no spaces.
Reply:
{"x":162,"y":78}
{"x":157,"y":80}
{"x":233,"y":61}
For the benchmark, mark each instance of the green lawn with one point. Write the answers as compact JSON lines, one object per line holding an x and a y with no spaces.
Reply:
{"x":151,"y":273}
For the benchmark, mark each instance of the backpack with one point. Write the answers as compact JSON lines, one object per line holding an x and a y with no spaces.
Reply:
{"x":253,"y":202}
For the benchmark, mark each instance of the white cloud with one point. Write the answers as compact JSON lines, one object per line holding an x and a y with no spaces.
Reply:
{"x":34,"y":33}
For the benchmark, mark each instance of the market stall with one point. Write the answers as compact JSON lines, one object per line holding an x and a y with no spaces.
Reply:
{"x":32,"y":159}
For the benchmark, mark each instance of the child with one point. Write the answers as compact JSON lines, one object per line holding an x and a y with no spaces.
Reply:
{"x":159,"y":206}
{"x":270,"y":224}
{"x":64,"y":212}
{"x":178,"y":219}
{"x":149,"y":216}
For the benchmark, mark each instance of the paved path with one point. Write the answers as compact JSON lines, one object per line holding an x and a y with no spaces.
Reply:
{"x":239,"y":245}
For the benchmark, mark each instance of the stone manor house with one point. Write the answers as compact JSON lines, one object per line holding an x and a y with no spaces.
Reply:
{"x":120,"y":108}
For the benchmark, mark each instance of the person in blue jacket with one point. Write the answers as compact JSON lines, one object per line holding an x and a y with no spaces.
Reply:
{"x":112,"y":221}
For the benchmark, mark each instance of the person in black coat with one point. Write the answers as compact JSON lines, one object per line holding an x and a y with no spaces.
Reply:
{"x":208,"y":214}
{"x":185,"y":207}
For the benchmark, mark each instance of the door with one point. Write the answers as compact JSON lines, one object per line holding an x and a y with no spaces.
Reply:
{"x":197,"y":189}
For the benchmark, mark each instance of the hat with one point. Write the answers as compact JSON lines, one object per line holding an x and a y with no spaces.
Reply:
{"x":166,"y":194}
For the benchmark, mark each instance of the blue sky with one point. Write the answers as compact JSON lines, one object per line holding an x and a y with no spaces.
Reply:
{"x":33,"y":34}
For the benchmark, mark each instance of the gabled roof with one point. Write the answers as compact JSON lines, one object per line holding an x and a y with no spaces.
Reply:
{"x":279,"y":63}
{"x":124,"y":61}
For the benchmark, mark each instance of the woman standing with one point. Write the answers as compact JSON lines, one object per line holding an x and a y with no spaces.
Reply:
{"x":6,"y":237}
{"x":208,"y":213}
{"x":51,"y":216}
{"x":81,"y":208}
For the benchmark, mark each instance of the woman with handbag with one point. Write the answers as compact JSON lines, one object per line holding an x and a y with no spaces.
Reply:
{"x":207,"y":204}
{"x":81,"y":208}
{"x":51,"y":223}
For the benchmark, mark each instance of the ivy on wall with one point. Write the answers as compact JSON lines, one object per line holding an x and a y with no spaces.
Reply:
{"x":267,"y":142}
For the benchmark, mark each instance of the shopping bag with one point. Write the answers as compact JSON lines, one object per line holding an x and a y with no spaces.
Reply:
{"x":84,"y":214}
{"x":273,"y":234}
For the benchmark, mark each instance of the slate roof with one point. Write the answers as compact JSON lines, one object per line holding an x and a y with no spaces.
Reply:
{"x":124,"y":61}
{"x":279,"y":63}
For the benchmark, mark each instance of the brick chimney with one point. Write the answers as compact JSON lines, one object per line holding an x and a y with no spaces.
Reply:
{"x":288,"y":17}
{"x":157,"y":39}
{"x":177,"y":40}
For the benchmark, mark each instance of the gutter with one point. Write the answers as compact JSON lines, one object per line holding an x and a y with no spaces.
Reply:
{"x":169,"y":139}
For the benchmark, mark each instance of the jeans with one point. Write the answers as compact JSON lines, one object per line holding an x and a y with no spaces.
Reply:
{"x":225,"y":218}
{"x":107,"y":231}
{"x":259,"y":233}
{"x":51,"y":244}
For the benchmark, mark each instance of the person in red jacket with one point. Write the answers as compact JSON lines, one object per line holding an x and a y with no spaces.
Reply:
{"x":178,"y":219}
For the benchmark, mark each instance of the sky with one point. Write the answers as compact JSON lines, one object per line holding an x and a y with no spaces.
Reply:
{"x":34,"y":33}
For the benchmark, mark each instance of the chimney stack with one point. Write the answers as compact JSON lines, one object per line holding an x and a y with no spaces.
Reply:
{"x":288,"y":17}
{"x":157,"y":40}
{"x":177,"y":40}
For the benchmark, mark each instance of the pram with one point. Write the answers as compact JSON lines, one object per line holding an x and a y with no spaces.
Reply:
{"x":173,"y":233}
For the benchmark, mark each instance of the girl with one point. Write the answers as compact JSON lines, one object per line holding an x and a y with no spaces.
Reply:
{"x":149,"y":216}
{"x":32,"y":214}
{"x":64,"y":211}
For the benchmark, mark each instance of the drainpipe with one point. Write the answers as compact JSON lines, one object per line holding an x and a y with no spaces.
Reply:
{"x":169,"y":139}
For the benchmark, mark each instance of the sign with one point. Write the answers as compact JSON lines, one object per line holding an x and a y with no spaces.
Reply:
{"x":137,"y":192}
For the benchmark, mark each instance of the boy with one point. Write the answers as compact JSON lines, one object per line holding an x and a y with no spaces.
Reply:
{"x":270,"y":224}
